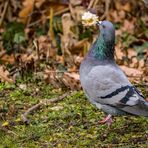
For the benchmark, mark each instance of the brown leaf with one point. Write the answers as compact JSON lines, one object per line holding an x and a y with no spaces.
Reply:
{"x":78,"y":60}
{"x":134,"y":63}
{"x":39,"y":3}
{"x":114,"y":16}
{"x":131,"y":72}
{"x":131,"y":53}
{"x":141,"y":64}
{"x":119,"y":52}
{"x":4,"y":75}
{"x":128,"y":25}
{"x":24,"y":13}
{"x":72,"y":80}
{"x":8,"y":59}
{"x":126,"y":6}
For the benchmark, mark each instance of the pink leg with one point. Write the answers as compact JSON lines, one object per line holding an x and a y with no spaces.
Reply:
{"x":107,"y":119}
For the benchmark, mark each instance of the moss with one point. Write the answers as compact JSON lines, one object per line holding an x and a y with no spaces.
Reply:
{"x":73,"y":124}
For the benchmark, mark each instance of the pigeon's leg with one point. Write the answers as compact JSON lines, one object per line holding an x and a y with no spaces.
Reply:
{"x":107,"y":119}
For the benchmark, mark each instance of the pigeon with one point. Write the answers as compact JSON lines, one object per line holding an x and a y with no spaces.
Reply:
{"x":104,"y":83}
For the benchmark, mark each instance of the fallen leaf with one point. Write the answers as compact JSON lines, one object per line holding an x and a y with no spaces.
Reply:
{"x":131,"y":72}
{"x":129,"y":25}
{"x":126,"y":6}
{"x":119,"y":53}
{"x":4,"y":75}
{"x":131,"y":53}
{"x":24,"y":13}
{"x":134,"y":62}
{"x":6,"y":123}
{"x":72,"y":80}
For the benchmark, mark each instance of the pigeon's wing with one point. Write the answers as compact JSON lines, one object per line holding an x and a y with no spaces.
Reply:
{"x":108,"y":85}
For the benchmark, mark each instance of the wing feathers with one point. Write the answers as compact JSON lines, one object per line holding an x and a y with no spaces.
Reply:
{"x":108,"y":85}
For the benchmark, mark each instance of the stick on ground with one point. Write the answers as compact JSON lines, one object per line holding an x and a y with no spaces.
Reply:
{"x":44,"y":102}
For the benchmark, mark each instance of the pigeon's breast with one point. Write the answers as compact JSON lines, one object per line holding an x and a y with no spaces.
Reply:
{"x":100,"y":80}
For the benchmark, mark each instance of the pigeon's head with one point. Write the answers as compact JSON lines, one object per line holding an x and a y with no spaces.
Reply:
{"x":107,"y":31}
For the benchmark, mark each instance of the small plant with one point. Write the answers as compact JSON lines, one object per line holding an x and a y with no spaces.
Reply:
{"x":13,"y":36}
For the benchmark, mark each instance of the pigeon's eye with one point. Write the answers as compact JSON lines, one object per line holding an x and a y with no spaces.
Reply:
{"x":103,"y":26}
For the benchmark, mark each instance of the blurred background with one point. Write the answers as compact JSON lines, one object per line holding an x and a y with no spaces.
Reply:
{"x":46,"y":39}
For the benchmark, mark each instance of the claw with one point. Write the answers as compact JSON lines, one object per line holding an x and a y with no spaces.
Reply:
{"x":108,"y":120}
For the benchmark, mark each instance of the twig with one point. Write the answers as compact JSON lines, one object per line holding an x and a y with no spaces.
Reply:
{"x":36,"y":44}
{"x":95,"y":3}
{"x":107,"y":4}
{"x":34,"y":23}
{"x":30,"y":16}
{"x":44,"y":102}
{"x":61,"y":11}
{"x":51,"y":33}
{"x":7,"y":130}
{"x":91,"y":4}
{"x":4,"y":12}
{"x":55,"y":14}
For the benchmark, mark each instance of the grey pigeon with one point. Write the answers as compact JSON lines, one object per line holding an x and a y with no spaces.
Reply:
{"x":104,"y":83}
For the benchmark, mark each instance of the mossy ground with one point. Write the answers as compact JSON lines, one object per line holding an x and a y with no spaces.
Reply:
{"x":72,"y":122}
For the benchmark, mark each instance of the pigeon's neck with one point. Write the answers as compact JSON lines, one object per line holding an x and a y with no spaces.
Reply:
{"x":102,"y":50}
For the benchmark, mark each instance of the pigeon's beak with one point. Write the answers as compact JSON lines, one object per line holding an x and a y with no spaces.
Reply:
{"x":99,"y":23}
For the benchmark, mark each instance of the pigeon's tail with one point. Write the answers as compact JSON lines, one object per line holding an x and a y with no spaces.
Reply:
{"x":146,"y":104}
{"x":144,"y":108}
{"x":141,"y":109}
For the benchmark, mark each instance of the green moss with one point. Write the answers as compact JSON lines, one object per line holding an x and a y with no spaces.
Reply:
{"x":73,"y":124}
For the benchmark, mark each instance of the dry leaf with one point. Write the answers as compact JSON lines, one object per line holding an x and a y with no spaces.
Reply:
{"x":114,"y":16}
{"x":131,"y":53}
{"x":69,"y":37}
{"x":134,"y":62}
{"x":126,"y":6}
{"x":131,"y":72}
{"x":25,"y":12}
{"x":122,"y":14}
{"x":54,"y":77}
{"x":141,"y":63}
{"x":78,"y":60}
{"x":72,"y":80}
{"x":119,"y":53}
{"x":4,"y":75}
{"x":8,"y":59}
{"x":39,"y":3}
{"x":129,"y":26}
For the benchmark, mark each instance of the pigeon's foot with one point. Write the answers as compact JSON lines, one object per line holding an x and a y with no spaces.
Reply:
{"x":107,"y":120}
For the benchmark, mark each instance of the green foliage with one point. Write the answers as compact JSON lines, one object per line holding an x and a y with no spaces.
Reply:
{"x":14,"y":34}
{"x":87,"y":33}
{"x":57,"y":25}
{"x":128,"y":39}
{"x":19,"y":37}
{"x":143,"y":27}
{"x":141,"y":48}
{"x":40,"y":31}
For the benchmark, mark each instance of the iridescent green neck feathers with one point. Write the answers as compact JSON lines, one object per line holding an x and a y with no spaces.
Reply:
{"x":103,"y":50}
